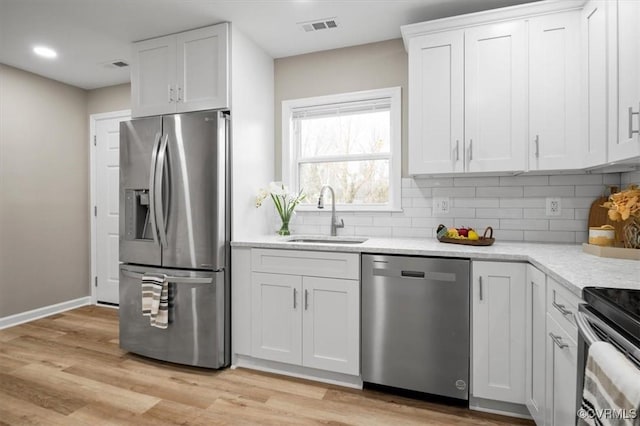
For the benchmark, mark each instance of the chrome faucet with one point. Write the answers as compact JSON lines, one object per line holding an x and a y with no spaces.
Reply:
{"x":334,"y":220}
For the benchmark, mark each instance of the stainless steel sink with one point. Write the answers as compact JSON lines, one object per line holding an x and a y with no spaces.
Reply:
{"x":326,"y":240}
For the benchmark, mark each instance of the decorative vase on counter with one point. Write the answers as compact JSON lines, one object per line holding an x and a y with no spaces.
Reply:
{"x":632,"y":233}
{"x":284,"y":202}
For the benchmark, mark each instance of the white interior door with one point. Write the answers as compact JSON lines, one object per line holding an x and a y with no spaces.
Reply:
{"x":107,"y":181}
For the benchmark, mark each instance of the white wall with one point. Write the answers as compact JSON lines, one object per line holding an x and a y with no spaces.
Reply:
{"x":252,"y":133}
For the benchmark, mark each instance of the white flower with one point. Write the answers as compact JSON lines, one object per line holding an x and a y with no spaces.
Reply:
{"x":278,"y":188}
{"x":262,"y":194}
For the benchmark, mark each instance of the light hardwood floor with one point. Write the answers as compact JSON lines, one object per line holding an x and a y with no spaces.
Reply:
{"x":67,"y":369}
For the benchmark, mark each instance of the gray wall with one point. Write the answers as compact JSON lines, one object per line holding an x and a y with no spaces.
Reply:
{"x":44,"y":192}
{"x":108,"y":99}
{"x":364,"y":67}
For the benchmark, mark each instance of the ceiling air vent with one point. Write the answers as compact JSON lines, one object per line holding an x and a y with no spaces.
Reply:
{"x":116,"y":63}
{"x":120,"y":64}
{"x":319,"y":24}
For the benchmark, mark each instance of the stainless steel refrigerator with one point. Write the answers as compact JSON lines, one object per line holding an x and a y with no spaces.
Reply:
{"x":174,"y":220}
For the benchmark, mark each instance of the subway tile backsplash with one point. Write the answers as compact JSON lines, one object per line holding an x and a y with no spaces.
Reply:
{"x":514,"y":206}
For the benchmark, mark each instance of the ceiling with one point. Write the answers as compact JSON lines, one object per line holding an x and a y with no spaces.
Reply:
{"x":87,"y":34}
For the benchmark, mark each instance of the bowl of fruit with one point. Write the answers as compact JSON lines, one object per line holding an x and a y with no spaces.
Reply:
{"x":465,"y":235}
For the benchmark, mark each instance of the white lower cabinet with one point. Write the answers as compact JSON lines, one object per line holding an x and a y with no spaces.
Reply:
{"x":498,"y":295}
{"x":276,"y":317}
{"x":310,"y":321}
{"x":562,"y":360}
{"x":535,"y":327}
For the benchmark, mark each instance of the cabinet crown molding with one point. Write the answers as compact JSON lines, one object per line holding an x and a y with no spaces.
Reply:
{"x":488,"y":16}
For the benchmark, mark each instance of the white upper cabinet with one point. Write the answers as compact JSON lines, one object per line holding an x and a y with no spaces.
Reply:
{"x":436,"y":103}
{"x":153,"y":76}
{"x":554,"y":92}
{"x":594,"y":82}
{"x":495,"y":97}
{"x":202,"y":69}
{"x":624,"y":84}
{"x":181,"y":72}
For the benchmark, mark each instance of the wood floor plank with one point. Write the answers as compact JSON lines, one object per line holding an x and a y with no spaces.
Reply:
{"x":39,"y":394}
{"x":67,"y":369}
{"x":118,"y":398}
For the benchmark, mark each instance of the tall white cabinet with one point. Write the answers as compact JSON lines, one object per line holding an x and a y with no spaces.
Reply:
{"x":181,"y":72}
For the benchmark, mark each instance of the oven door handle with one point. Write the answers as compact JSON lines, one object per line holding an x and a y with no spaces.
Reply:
{"x":585,"y":329}
{"x":583,"y":320}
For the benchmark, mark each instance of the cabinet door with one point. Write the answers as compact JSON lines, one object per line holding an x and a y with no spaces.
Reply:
{"x":594,"y":74}
{"x":276,"y":317}
{"x":624,"y":49}
{"x":562,"y":363}
{"x":436,"y":103}
{"x":331,"y":324}
{"x":554,"y":92}
{"x":153,"y":75}
{"x":495,"y":97}
{"x":536,"y":338}
{"x":202,"y":80}
{"x":498,"y":331}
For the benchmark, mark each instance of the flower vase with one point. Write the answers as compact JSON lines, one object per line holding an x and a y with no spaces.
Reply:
{"x":632,"y":233}
{"x":284,"y":229}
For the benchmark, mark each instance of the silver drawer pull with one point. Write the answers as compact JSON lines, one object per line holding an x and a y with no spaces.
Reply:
{"x":306,"y":300}
{"x":564,"y":311}
{"x":558,"y":341}
{"x":294,"y":298}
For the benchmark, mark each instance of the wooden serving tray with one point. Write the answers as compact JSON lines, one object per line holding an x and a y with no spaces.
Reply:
{"x":612,"y":252}
{"x":484,"y":240}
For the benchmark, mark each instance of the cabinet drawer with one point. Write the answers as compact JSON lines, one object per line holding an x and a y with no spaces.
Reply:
{"x":308,"y":263}
{"x":562,"y":305}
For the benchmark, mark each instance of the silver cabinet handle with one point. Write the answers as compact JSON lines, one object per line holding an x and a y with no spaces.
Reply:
{"x":631,"y":114}
{"x":480,"y":288}
{"x":558,"y":341}
{"x":457,"y":150}
{"x":152,"y":185}
{"x":179,"y":94}
{"x":294,"y":298}
{"x":170,"y":91}
{"x":159,"y":209}
{"x":564,"y":311}
{"x":470,"y":149}
{"x":306,"y":300}
{"x":537,"y":142}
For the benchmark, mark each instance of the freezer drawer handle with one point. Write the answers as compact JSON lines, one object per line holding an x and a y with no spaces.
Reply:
{"x":176,"y":280}
{"x":412,"y":274}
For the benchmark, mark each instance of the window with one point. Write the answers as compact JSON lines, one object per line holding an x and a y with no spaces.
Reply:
{"x":350,"y":141}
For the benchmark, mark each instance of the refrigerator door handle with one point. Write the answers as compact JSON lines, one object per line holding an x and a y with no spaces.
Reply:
{"x":152,"y":185}
{"x":159,"y":208}
{"x":171,"y":279}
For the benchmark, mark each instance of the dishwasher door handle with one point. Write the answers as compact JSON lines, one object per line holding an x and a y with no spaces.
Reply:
{"x":412,"y":274}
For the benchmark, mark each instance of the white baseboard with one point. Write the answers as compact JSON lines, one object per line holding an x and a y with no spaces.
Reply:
{"x":339,"y":379}
{"x":45,"y":311}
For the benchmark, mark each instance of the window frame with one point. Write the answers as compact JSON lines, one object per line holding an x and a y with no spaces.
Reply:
{"x":290,"y":157}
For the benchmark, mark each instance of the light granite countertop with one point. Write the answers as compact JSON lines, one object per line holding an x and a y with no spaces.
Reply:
{"x":565,"y":263}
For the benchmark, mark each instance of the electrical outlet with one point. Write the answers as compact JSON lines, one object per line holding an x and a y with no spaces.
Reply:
{"x":441,"y":205}
{"x":554,"y":207}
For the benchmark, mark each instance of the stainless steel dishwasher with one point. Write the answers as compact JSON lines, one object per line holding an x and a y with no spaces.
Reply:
{"x":415,"y":324}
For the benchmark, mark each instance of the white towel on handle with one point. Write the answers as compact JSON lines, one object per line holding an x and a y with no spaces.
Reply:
{"x":611,"y":394}
{"x":155,"y":299}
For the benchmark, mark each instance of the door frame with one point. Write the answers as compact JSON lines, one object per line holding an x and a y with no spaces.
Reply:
{"x":93,"y":119}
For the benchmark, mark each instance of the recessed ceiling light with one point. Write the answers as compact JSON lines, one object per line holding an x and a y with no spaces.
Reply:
{"x":45,"y":52}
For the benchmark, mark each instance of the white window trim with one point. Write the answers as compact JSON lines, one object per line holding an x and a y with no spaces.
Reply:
{"x":289,"y":155}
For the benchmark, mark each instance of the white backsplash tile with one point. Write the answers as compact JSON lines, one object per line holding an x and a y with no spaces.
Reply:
{"x":514,"y":206}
